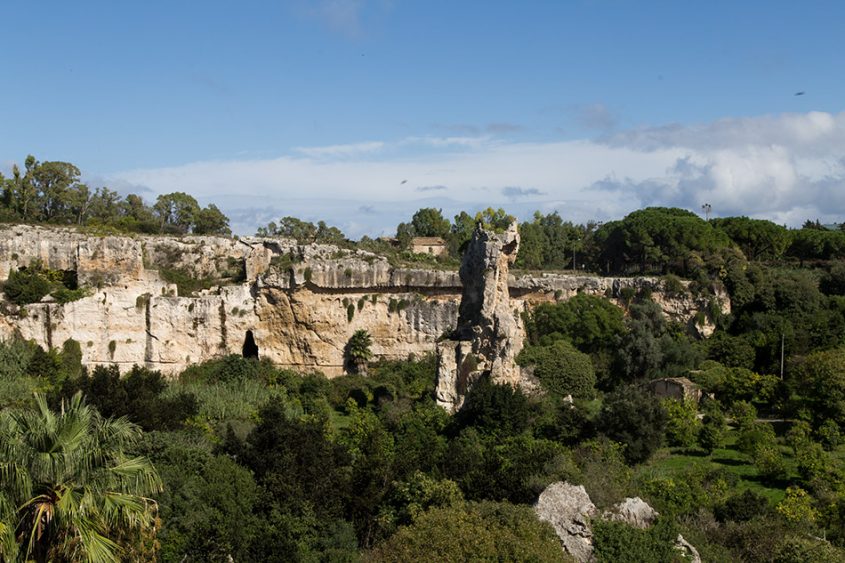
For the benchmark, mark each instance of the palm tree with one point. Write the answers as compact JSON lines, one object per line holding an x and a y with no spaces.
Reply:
{"x":68,"y":491}
{"x":358,"y":351}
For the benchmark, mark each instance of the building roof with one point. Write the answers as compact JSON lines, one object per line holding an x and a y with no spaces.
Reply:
{"x":428,"y":241}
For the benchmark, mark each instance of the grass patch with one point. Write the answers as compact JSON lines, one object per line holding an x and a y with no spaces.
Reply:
{"x":673,"y":461}
{"x":233,"y":400}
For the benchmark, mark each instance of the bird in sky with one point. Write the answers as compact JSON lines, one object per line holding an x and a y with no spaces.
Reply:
{"x":403,"y":182}
{"x":801,"y":93}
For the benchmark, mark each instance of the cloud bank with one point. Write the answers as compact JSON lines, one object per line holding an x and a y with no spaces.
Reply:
{"x":787,"y":168}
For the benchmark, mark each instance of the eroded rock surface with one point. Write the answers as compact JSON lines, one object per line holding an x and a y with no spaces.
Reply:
{"x":687,"y":550}
{"x":633,"y":511}
{"x":569,"y":510}
{"x":301,"y":303}
{"x":490,"y":330}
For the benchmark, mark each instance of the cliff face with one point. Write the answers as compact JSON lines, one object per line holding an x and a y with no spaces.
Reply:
{"x":298,"y":303}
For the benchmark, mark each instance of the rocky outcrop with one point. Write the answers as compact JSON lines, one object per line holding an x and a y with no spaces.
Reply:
{"x":633,"y":511}
{"x":490,"y":331}
{"x":569,"y":510}
{"x":299,"y":303}
{"x":686,"y":550}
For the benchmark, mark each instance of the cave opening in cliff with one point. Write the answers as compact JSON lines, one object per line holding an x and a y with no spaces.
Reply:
{"x":250,"y":348}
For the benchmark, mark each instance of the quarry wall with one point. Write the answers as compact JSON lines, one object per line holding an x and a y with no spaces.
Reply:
{"x":298,"y":304}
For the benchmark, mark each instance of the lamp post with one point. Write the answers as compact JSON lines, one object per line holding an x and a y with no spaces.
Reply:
{"x":707,"y":209}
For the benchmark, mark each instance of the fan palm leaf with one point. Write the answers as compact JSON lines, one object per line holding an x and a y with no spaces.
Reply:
{"x":67,"y":487}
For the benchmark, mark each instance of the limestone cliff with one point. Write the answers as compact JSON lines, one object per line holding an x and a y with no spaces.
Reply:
{"x":490,"y":333}
{"x":299,"y":303}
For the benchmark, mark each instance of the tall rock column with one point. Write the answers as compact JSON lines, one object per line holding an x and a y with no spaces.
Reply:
{"x":489,"y":333}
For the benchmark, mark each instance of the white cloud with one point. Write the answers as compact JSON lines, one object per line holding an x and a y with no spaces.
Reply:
{"x":353,"y":149}
{"x":472,"y":142}
{"x":806,"y":134}
{"x":787,"y":168}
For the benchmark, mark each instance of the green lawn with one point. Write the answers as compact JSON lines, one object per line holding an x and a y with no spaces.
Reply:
{"x":672,"y":461}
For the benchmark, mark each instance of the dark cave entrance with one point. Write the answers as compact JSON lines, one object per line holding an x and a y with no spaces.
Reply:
{"x":250,"y":349}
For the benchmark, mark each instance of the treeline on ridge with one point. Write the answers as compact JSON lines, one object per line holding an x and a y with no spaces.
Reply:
{"x":51,"y":192}
{"x":648,"y":241}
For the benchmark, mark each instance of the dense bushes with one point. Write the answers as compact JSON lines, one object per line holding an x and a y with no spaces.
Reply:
{"x":561,"y":369}
{"x":330,"y":469}
{"x":473,"y":531}
{"x":618,"y":542}
{"x":32,"y":284}
{"x":137,"y":396}
{"x":633,"y":418}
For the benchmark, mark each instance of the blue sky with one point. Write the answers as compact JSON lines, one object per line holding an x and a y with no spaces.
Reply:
{"x":322,"y":108}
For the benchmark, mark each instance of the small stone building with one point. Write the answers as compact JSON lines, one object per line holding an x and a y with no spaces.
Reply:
{"x":679,"y":388}
{"x":435,"y":246}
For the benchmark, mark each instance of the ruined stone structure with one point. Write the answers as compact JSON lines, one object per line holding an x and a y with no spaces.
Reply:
{"x":678,"y":388}
{"x":297,"y":305}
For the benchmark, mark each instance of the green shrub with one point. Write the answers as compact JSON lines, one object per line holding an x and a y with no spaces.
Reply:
{"x":15,"y":355}
{"x":138,"y":396}
{"x":770,"y":463}
{"x":483,"y":531}
{"x":672,"y":286}
{"x":634,"y":418}
{"x":186,"y":282}
{"x":754,"y":436}
{"x":236,"y":400}
{"x":627,"y":294}
{"x":561,"y":369}
{"x":71,"y":360}
{"x":590,"y":323}
{"x":682,"y":424}
{"x":618,"y":542}
{"x":233,"y":367}
{"x":829,"y":434}
{"x":493,"y":408}
{"x":604,"y":473}
{"x":64,"y":295}
{"x":27,"y":286}
{"x":142,"y":300}
{"x":712,"y":432}
{"x":45,"y":364}
{"x":741,"y":507}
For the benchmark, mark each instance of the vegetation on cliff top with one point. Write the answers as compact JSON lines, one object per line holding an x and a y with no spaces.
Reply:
{"x":51,"y":192}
